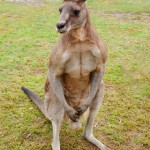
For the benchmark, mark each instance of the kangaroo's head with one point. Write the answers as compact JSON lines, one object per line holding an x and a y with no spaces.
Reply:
{"x":73,"y":15}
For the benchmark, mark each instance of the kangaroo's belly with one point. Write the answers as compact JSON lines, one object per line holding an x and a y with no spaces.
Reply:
{"x":76,"y":90}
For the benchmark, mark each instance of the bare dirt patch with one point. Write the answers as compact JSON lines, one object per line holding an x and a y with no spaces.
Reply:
{"x":135,"y":17}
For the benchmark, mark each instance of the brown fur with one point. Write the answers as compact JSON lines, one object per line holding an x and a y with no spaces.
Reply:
{"x":82,"y":36}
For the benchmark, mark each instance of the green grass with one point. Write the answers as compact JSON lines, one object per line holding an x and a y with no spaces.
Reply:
{"x":130,"y":6}
{"x":27,"y":35}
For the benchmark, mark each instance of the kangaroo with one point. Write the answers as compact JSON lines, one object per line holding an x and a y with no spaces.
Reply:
{"x":74,"y":85}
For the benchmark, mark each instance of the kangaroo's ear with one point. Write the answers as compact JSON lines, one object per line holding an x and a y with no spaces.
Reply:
{"x":82,"y":1}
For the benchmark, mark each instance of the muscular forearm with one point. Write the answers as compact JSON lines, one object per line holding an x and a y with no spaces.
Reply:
{"x":96,"y":79}
{"x":56,"y":84}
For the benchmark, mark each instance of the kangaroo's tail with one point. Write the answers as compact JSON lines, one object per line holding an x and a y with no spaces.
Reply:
{"x":36,"y":99}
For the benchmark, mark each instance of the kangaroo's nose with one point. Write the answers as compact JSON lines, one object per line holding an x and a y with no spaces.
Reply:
{"x":60,"y":25}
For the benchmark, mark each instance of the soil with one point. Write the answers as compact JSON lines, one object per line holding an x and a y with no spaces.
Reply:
{"x":132,"y":16}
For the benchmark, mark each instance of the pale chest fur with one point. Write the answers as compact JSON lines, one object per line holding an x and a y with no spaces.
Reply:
{"x":81,"y":59}
{"x":80,"y":63}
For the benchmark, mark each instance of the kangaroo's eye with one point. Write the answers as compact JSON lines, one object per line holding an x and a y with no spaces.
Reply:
{"x":76,"y":12}
{"x":60,"y":10}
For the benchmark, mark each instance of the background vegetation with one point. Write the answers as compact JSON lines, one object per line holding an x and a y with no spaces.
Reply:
{"x":27,"y":35}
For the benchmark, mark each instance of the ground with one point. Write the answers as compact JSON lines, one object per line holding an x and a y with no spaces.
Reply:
{"x":27,"y":37}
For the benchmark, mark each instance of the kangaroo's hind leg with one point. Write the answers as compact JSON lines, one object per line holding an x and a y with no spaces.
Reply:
{"x":94,"y":108}
{"x":55,"y":113}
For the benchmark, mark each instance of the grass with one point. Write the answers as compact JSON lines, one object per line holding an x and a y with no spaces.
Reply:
{"x":27,"y":37}
{"x":127,"y":6}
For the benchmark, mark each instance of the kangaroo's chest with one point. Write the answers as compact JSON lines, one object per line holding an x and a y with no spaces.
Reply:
{"x":82,"y":61}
